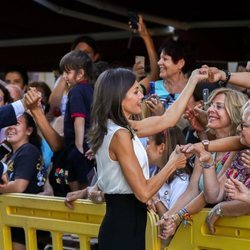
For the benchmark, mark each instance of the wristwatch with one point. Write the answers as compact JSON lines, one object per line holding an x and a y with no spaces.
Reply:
{"x":205,"y":144}
{"x":218,"y":211}
{"x":228,"y":76}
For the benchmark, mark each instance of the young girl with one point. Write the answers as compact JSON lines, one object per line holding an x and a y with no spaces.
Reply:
{"x":159,"y":149}
{"x":77,"y":71}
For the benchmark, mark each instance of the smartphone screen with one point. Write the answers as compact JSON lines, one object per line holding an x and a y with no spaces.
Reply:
{"x":140,"y":60}
{"x":205,"y":95}
{"x":133,"y":20}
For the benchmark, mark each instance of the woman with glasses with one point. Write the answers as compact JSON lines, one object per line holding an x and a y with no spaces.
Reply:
{"x":238,"y":171}
{"x":223,"y":119}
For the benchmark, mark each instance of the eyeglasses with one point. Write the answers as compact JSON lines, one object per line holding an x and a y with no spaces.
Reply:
{"x":244,"y":125}
{"x":218,"y":105}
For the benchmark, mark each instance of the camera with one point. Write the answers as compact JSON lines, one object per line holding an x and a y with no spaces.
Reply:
{"x":133,"y":20}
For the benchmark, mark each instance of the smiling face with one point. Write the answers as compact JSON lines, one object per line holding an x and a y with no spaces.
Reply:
{"x":131,"y":104}
{"x":72,"y":76}
{"x":18,"y":134}
{"x":167,"y":67}
{"x":218,"y":118}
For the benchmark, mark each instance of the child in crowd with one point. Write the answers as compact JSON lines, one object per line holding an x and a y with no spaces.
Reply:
{"x":77,"y":70}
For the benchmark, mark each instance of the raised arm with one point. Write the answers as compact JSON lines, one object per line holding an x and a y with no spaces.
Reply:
{"x":55,"y":141}
{"x":156,"y":124}
{"x":231,"y":143}
{"x":122,"y":150}
{"x":55,"y":98}
{"x":152,"y":55}
{"x":241,"y":79}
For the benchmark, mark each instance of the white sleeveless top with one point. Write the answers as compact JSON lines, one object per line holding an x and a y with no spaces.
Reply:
{"x":110,"y":176}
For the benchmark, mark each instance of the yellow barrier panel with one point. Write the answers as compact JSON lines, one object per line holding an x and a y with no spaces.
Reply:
{"x":232,"y":233}
{"x":34,"y":212}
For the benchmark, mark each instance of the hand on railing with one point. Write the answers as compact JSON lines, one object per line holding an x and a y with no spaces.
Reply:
{"x":72,"y":196}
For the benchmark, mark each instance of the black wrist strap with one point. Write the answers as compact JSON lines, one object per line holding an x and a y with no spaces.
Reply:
{"x":228,"y":75}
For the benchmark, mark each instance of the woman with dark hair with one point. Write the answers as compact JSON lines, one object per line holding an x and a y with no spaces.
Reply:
{"x":122,"y":164}
{"x":175,"y":62}
{"x":25,"y":166}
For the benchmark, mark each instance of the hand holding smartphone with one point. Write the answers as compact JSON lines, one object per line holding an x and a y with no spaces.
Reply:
{"x":140,"y":60}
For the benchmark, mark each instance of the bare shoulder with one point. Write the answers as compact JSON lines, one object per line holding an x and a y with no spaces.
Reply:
{"x":121,"y":144}
{"x":121,"y":135}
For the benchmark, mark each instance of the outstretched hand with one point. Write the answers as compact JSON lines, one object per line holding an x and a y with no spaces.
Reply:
{"x":167,"y":226}
{"x":178,"y":158}
{"x":72,"y":196}
{"x":155,"y":105}
{"x":214,"y":74}
{"x":32,"y":99}
{"x":237,"y":190}
{"x":192,"y":117}
{"x":199,"y":74}
{"x":211,"y":219}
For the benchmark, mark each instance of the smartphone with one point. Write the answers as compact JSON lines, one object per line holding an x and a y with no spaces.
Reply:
{"x":133,"y":20}
{"x":140,"y":60}
{"x":205,"y":95}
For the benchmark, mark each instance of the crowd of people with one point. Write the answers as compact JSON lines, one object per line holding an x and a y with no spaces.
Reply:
{"x":110,"y":134}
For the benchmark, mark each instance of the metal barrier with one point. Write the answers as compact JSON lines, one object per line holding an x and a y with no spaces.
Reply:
{"x":34,"y":212}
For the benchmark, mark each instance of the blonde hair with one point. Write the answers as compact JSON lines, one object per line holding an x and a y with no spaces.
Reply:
{"x":234,"y":102}
{"x":246,"y":108}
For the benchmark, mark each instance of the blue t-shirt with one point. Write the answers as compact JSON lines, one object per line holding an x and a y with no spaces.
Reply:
{"x":166,"y":97}
{"x":47,"y":153}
